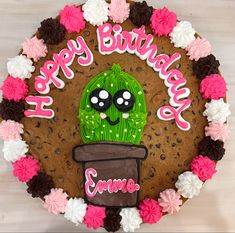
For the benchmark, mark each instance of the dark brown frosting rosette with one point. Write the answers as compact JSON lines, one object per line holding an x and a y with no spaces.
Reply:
{"x":113,"y":219}
{"x":51,"y":31}
{"x":206,"y":66}
{"x":40,"y":185}
{"x":140,"y":13}
{"x":11,"y":110}
{"x":212,"y":149}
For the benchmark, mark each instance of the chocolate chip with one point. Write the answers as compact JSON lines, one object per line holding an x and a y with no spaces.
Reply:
{"x":158,"y":145}
{"x":173,"y":144}
{"x":61,"y":179}
{"x":50,"y":130}
{"x":38,"y":124}
{"x":167,"y":139}
{"x":139,"y":69}
{"x":179,"y":140}
{"x":178,"y":66}
{"x":68,"y":164}
{"x":91,"y":41}
{"x":157,"y":133}
{"x":39,"y":147}
{"x":86,"y":33}
{"x":162,"y":156}
{"x":33,"y":141}
{"x":186,"y":163}
{"x":57,"y":151}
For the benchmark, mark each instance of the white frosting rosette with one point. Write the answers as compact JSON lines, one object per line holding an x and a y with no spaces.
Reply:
{"x":75,"y":210}
{"x":20,"y":67}
{"x":188,"y":185}
{"x":14,"y":150}
{"x":217,"y":111}
{"x":95,"y":12}
{"x":183,"y":34}
{"x":131,"y":219}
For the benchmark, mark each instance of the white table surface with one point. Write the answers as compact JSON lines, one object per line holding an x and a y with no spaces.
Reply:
{"x":214,"y":209}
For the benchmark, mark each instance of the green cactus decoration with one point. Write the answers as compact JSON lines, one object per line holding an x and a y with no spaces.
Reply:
{"x":112,"y":108}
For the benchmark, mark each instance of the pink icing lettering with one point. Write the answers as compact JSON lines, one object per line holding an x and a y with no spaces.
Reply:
{"x":62,"y":60}
{"x":39,"y":111}
{"x":111,"y":186}
{"x":113,"y":39}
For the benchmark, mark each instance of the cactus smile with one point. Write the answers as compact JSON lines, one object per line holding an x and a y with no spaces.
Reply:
{"x":112,"y":122}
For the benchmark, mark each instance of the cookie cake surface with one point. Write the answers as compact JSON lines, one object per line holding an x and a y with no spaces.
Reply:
{"x":105,"y":114}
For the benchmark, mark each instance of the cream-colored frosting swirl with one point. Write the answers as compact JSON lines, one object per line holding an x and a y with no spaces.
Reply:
{"x":131,"y":219}
{"x":75,"y":210}
{"x":217,"y":111}
{"x":183,"y":34}
{"x":14,"y":149}
{"x":95,"y":12}
{"x":20,"y":67}
{"x":188,"y":185}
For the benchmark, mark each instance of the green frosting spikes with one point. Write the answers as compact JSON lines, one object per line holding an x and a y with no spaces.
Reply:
{"x":128,"y":126}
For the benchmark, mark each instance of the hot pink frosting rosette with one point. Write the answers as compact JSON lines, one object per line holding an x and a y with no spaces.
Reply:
{"x":199,"y":48}
{"x":14,"y":89}
{"x":25,"y":168}
{"x":72,"y":18}
{"x":217,"y":131}
{"x":94,"y":217}
{"x":10,"y":130}
{"x":34,"y":48}
{"x":203,"y":167}
{"x":56,"y":201}
{"x":163,"y":21}
{"x":170,"y":201}
{"x":150,"y":211}
{"x":213,"y":87}
{"x":119,"y":10}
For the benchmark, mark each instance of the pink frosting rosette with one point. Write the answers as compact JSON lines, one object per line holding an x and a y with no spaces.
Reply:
{"x":170,"y":201}
{"x":56,"y":201}
{"x":34,"y":48}
{"x":10,"y":130}
{"x":14,"y":89}
{"x":199,"y":48}
{"x":94,"y":217}
{"x":150,"y":211}
{"x":163,"y":21}
{"x":25,"y":168}
{"x":217,"y":131}
{"x":72,"y":18}
{"x":119,"y":10}
{"x":203,"y":167}
{"x":213,"y":87}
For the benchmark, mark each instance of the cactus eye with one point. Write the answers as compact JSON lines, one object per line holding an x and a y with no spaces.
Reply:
{"x":100,"y":100}
{"x":124,"y":100}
